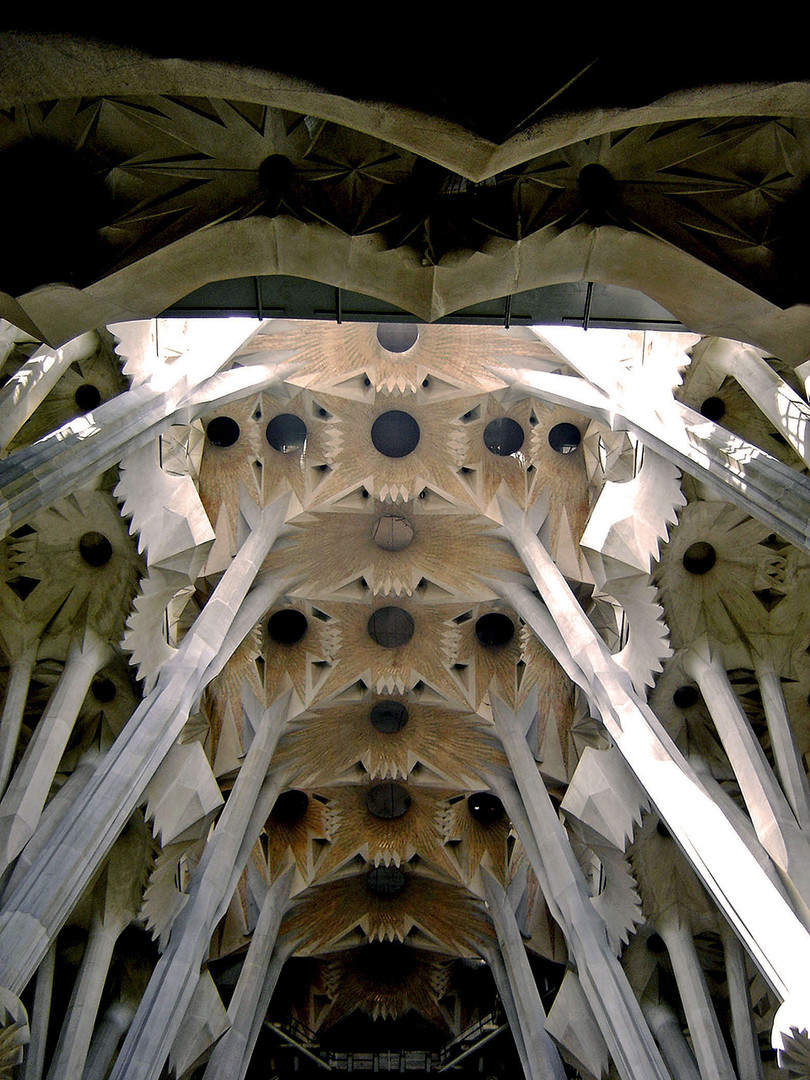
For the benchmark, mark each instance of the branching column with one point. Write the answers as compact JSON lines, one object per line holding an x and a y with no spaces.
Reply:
{"x":174,"y":980}
{"x":767,"y":925}
{"x":609,"y":994}
{"x":52,"y":885}
{"x":543,"y":1059}
{"x":773,"y":818}
{"x":14,"y":707}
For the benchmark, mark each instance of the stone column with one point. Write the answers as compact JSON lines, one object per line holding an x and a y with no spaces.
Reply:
{"x":707,"y":1039}
{"x":746,"y":1047}
{"x":609,"y":994}
{"x":34,"y":1063}
{"x":766,"y":924}
{"x":788,"y":413}
{"x":14,"y":707}
{"x":77,"y":1030}
{"x":25,"y":798}
{"x":47,"y":893}
{"x":174,"y":980}
{"x":773,"y":819}
{"x":114,"y":1025}
{"x":543,"y":1058}
{"x":667,"y":1031}
{"x":788,"y":761}
{"x":495,"y":963}
{"x":33,"y":381}
{"x":226,"y":1060}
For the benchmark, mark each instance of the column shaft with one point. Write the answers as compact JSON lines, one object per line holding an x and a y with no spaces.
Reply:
{"x":788,"y":762}
{"x":35,"y":1052}
{"x":14,"y":707}
{"x":667,"y":1031}
{"x":749,"y":1060}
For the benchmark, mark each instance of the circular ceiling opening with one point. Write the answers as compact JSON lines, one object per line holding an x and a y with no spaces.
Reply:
{"x":390,"y":627}
{"x":290,"y":807}
{"x":388,"y":716}
{"x":485,"y":807}
{"x":397,"y":337}
{"x":494,"y":629}
{"x":392,"y":533}
{"x":395,"y":434}
{"x":287,"y":433}
{"x":685,"y":697}
{"x":503,"y":436}
{"x":387,"y":800}
{"x":385,"y":881}
{"x":95,"y":549}
{"x":564,"y":438}
{"x":87,"y":397}
{"x":288,"y":626}
{"x":713,"y":408}
{"x":222,"y":431}
{"x":103,"y":690}
{"x":699,"y":558}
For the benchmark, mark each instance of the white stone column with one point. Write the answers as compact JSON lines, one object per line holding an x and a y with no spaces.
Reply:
{"x":495,"y":963}
{"x":667,"y":1031}
{"x":42,"y":900}
{"x":27,"y":793}
{"x":174,"y":980}
{"x":34,"y":1062}
{"x":788,"y":761}
{"x":788,"y":413}
{"x":766,"y":924}
{"x":773,"y":819}
{"x":33,"y":381}
{"x":615,"y":1008}
{"x":746,"y":1047}
{"x":226,"y":1060}
{"x":543,"y":1058}
{"x":77,"y":1030}
{"x":707,"y":1039}
{"x":114,"y":1025}
{"x":14,"y":707}
{"x":281,"y":954}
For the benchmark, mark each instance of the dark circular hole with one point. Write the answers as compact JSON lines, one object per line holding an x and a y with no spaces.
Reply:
{"x":397,"y":337}
{"x":385,"y":880}
{"x":222,"y":431}
{"x":103,"y":690}
{"x":392,"y":533}
{"x":395,"y":434}
{"x":387,"y":800}
{"x":655,"y":943}
{"x":713,"y":408}
{"x":564,"y":438}
{"x":494,"y":629}
{"x":485,"y":807}
{"x":288,"y":626}
{"x":685,"y":697}
{"x":290,"y":807}
{"x":87,"y":397}
{"x":662,"y":830}
{"x":699,"y":558}
{"x":287,"y":433}
{"x":390,"y":627}
{"x":503,"y":436}
{"x":95,"y":549}
{"x":388,"y":716}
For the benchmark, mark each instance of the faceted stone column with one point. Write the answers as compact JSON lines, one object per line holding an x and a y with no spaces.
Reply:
{"x":14,"y":707}
{"x":174,"y":980}
{"x":34,"y":1062}
{"x":770,"y":812}
{"x":767,"y":925}
{"x":788,"y":761}
{"x":707,"y":1039}
{"x":248,"y":1001}
{"x":37,"y":908}
{"x":746,"y":1047}
{"x":609,"y":994}
{"x":23,"y":802}
{"x":543,"y":1059}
